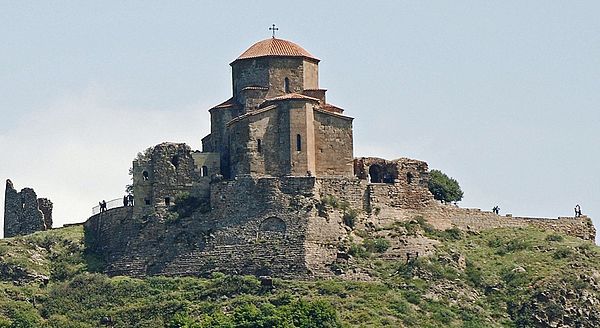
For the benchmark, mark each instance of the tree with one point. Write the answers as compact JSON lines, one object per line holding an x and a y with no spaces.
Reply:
{"x":443,"y":187}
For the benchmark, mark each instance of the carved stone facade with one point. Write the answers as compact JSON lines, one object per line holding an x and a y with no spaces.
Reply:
{"x":24,"y":213}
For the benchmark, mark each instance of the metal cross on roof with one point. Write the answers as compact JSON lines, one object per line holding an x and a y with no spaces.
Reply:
{"x":273,"y":28}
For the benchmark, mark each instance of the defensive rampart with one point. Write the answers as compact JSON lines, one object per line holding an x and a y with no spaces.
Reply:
{"x":285,"y":227}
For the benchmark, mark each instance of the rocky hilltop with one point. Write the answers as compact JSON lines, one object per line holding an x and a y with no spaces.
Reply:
{"x":503,"y":277}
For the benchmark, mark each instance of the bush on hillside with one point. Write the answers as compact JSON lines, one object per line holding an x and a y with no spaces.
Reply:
{"x":443,"y":187}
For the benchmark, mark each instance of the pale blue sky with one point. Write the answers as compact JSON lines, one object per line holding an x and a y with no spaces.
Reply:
{"x":503,"y":96}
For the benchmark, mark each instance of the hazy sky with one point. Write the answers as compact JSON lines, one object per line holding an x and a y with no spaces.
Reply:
{"x":502,"y":95}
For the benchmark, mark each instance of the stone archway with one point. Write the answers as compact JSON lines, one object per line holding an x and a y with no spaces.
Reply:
{"x":273,"y":224}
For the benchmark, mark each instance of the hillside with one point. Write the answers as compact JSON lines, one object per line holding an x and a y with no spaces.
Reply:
{"x":518,"y":277}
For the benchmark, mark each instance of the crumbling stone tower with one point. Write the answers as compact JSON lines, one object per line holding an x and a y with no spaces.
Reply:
{"x":24,"y":213}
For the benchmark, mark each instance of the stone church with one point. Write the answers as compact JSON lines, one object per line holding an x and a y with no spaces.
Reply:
{"x":278,"y":121}
{"x":276,"y":189}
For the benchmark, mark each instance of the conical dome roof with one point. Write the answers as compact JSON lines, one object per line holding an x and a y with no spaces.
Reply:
{"x":275,"y":47}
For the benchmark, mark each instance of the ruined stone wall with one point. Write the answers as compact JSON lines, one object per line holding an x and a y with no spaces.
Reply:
{"x":206,"y":167}
{"x":333,"y":144}
{"x":22,"y":214}
{"x":46,"y":206}
{"x":351,"y":190}
{"x":206,"y":164}
{"x":256,"y":226}
{"x":444,"y":216}
{"x":277,"y":226}
{"x":167,"y":171}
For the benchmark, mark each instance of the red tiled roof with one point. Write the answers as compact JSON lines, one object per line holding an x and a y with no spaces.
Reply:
{"x":229,"y":103}
{"x":275,"y":47}
{"x":292,"y":96}
{"x":332,"y":108}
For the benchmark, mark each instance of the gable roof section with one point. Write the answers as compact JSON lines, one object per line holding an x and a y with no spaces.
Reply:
{"x":229,"y":103}
{"x":249,"y":114}
{"x":288,"y":97}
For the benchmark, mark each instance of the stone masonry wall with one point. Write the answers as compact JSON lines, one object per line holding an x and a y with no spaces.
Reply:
{"x":333,"y":144}
{"x":24,"y":213}
{"x":45,"y":205}
{"x":256,"y":226}
{"x":443,"y":216}
{"x":273,"y":226}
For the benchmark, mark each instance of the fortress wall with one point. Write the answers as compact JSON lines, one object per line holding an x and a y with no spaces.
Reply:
{"x":257,"y":226}
{"x":351,"y":190}
{"x":110,"y":235}
{"x":323,"y":236}
{"x":398,"y":196}
{"x":443,"y":216}
{"x":324,"y":233}
{"x":271,"y":226}
{"x":276,"y":254}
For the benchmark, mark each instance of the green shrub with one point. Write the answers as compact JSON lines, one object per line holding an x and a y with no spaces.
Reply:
{"x":562,"y":252}
{"x":443,"y":187}
{"x":23,"y":316}
{"x":515,"y":279}
{"x":183,"y":320}
{"x":349,"y":217}
{"x":358,"y":251}
{"x":412,"y":297}
{"x":61,"y":321}
{"x":330,"y":200}
{"x":513,"y":245}
{"x":172,"y":217}
{"x":554,"y":237}
{"x":452,"y":234}
{"x":474,"y":275}
{"x":377,"y":210}
{"x":378,"y":245}
{"x":5,"y":323}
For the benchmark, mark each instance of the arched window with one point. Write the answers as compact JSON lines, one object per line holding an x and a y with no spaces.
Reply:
{"x":168,"y":201}
{"x":273,"y":224}
{"x":286,"y":85}
{"x":409,"y":178}
{"x":145,"y":175}
{"x":259,"y":145}
{"x":298,"y":142}
{"x":204,"y":171}
{"x":175,"y":161}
